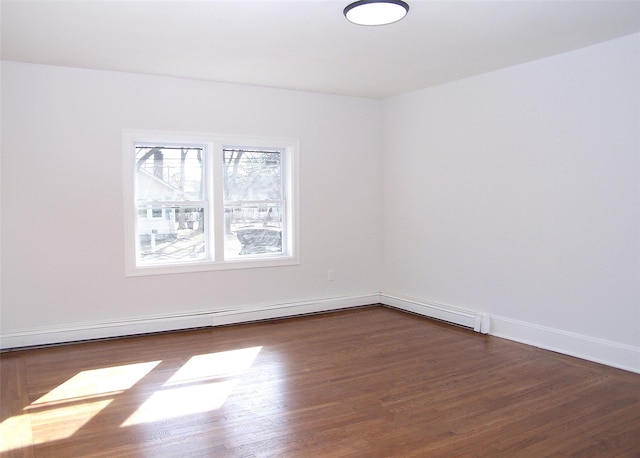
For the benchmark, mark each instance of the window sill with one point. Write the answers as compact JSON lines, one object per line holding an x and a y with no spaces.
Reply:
{"x":206,"y":266}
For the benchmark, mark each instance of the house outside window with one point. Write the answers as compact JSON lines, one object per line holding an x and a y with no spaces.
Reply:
{"x":205,"y":202}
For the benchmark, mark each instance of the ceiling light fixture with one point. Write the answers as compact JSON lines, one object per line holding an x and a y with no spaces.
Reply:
{"x":376,"y":12}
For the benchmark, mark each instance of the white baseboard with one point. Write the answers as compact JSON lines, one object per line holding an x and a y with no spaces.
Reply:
{"x":269,"y":311}
{"x":442,"y":312}
{"x":600,"y":351}
{"x":106,"y":329}
{"x":101,"y":330}
{"x":589,"y":348}
{"x":597,"y":350}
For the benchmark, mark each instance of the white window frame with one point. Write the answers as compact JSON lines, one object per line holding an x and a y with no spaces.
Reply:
{"x":213,"y":145}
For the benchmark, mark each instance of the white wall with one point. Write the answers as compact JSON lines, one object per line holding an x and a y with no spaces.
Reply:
{"x":516,"y":194}
{"x":513,"y":194}
{"x":62,"y":204}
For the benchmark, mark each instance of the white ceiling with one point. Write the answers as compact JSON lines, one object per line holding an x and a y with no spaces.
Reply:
{"x":306,"y":44}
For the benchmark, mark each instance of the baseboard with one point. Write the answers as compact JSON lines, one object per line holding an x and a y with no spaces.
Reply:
{"x":584,"y":347}
{"x":461,"y":317}
{"x":601,"y":351}
{"x":144,"y":325}
{"x":101,"y":330}
{"x":283,"y":310}
{"x":597,"y":350}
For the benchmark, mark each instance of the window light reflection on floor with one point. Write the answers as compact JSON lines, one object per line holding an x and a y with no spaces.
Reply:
{"x":181,"y":401}
{"x":69,"y":406}
{"x":94,"y":383}
{"x":202,"y":384}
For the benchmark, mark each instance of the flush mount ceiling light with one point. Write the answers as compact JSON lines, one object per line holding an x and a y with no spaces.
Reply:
{"x":376,"y":12}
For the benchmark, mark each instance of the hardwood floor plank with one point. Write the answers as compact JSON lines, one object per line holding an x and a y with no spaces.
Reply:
{"x":16,"y":437}
{"x":371,"y":382}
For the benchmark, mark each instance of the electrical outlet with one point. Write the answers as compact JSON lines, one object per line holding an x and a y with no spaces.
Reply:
{"x":330,"y":275}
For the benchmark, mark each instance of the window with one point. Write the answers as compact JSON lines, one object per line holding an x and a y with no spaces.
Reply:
{"x":201,"y":202}
{"x":254,"y":203}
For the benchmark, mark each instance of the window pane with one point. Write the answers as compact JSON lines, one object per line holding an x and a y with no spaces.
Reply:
{"x":169,"y":173}
{"x":252,"y":230}
{"x":252,"y":175}
{"x":170,"y":234}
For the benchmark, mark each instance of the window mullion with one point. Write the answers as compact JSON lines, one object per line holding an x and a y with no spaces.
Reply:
{"x":217,"y":202}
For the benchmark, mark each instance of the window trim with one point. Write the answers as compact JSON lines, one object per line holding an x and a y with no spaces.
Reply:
{"x":214,"y":231}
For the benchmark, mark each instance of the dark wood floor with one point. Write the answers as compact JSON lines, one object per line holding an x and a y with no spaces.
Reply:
{"x":370,"y":382}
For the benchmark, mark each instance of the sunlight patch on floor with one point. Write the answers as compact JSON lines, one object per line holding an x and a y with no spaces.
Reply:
{"x":97,"y":382}
{"x":202,"y":384}
{"x":181,"y":401}
{"x":214,"y":365}
{"x":61,"y":412}
{"x":15,"y":433}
